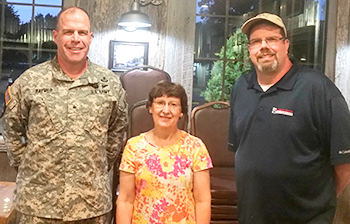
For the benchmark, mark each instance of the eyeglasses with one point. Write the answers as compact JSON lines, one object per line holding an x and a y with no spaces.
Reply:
{"x":271,"y":41}
{"x":162,"y":104}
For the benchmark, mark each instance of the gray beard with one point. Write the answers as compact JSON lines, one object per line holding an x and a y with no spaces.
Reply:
{"x":269,"y":68}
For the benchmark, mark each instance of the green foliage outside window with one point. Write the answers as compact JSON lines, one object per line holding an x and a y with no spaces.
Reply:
{"x":238,"y":51}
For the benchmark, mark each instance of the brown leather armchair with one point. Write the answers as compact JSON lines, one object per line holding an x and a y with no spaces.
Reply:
{"x":209,"y":122}
{"x":138,"y":81}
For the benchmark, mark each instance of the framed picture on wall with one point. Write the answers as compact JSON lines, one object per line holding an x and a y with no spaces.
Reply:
{"x":126,"y":55}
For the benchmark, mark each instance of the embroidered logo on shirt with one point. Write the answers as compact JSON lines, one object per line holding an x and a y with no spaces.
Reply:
{"x":342,"y":152}
{"x":286,"y":112}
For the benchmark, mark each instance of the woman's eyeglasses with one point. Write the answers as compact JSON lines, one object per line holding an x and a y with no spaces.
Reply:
{"x":162,"y":104}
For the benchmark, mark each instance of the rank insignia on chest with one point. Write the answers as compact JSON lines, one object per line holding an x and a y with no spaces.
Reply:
{"x":104,"y":85}
{"x":8,"y":96}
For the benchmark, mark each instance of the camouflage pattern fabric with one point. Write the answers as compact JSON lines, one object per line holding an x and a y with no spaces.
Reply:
{"x":64,"y":135}
{"x":27,"y":219}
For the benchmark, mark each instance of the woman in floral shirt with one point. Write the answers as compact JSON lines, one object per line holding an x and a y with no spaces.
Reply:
{"x":164,"y":174}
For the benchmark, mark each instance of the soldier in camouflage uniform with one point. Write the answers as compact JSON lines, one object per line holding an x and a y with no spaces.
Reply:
{"x":64,"y":125}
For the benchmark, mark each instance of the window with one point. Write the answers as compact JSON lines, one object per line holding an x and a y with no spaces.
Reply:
{"x":26,"y":35}
{"x":221,"y":54}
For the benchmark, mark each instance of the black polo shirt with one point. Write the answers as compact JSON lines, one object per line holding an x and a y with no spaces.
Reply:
{"x":287,"y":140}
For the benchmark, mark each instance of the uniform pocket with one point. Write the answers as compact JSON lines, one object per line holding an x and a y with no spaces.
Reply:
{"x":55,"y":107}
{"x":45,"y":114}
{"x":100,"y":115}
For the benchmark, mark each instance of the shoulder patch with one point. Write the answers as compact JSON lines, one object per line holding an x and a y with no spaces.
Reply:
{"x":8,"y":96}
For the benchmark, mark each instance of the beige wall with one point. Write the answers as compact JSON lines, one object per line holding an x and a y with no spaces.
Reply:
{"x":171,"y":37}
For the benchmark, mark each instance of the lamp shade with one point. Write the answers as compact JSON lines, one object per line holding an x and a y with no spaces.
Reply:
{"x":134,"y":18}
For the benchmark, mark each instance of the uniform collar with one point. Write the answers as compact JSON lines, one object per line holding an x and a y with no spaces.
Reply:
{"x":58,"y":73}
{"x":286,"y":82}
{"x":88,"y":77}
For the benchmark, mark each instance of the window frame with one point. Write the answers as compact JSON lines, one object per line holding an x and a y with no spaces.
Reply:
{"x":31,"y":45}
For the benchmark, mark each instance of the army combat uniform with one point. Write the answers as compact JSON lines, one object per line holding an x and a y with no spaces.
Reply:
{"x":63,"y":136}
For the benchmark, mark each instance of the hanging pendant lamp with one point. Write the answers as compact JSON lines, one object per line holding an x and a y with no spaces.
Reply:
{"x":134,"y":18}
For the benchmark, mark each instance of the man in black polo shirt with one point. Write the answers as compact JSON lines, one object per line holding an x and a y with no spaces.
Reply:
{"x":290,"y":131}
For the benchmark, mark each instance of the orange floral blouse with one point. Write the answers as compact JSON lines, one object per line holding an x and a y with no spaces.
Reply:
{"x":164,"y":178}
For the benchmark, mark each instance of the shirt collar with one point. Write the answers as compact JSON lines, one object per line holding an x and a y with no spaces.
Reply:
{"x":286,"y":82}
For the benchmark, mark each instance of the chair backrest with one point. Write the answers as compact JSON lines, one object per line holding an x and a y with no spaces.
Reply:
{"x":210,"y":122}
{"x":138,"y":81}
{"x":140,"y":120}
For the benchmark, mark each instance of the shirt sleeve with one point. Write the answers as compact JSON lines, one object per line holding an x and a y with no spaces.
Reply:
{"x":128,"y":159}
{"x":201,"y":160}
{"x":14,"y":123}
{"x":231,"y":132}
{"x":117,"y":128}
{"x":339,"y":131}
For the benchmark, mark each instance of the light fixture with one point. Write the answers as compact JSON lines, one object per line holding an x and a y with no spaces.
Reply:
{"x":134,"y":19}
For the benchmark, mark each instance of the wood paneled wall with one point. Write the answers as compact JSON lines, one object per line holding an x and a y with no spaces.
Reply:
{"x":171,"y":37}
